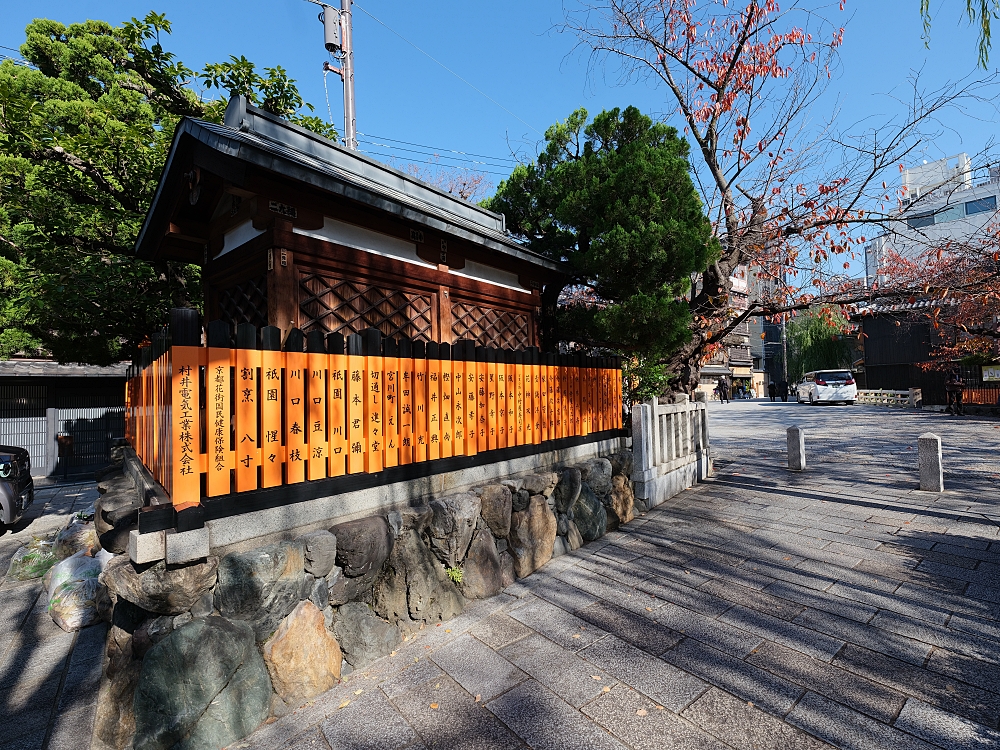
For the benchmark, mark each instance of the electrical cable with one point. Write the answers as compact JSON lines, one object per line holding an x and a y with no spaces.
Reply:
{"x":373,"y":152}
{"x":480,"y":91}
{"x":437,"y":150}
{"x":326,"y":90}
{"x":433,"y":153}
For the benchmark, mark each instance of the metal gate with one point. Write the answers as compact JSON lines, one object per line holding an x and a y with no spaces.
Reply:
{"x":22,"y":421}
{"x":93,"y":429}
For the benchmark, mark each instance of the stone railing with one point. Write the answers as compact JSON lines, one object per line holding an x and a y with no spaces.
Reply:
{"x":670,"y":447}
{"x":912,"y":398}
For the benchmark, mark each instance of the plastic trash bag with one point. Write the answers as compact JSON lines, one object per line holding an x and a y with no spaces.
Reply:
{"x":78,"y":536}
{"x":73,"y":591}
{"x":32,"y":560}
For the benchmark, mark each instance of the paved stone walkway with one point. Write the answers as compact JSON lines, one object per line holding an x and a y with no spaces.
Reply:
{"x":48,"y":678}
{"x":840,"y":607}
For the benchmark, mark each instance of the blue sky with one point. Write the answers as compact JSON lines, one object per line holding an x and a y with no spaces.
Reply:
{"x":510,"y":51}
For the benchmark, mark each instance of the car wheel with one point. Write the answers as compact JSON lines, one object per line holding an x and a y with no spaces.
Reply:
{"x":812,"y":400}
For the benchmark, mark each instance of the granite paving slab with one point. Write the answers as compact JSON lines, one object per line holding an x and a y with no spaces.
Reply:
{"x":836,"y":608}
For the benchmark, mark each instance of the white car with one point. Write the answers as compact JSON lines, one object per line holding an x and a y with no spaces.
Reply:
{"x":827,"y":385}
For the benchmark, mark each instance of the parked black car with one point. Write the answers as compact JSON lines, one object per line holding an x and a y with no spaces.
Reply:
{"x":17,"y":488}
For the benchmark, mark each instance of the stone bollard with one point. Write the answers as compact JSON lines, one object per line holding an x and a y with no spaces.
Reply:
{"x":929,"y":458}
{"x":796,"y":449}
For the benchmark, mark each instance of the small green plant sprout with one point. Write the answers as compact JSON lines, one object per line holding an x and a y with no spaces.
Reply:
{"x":455,"y":574}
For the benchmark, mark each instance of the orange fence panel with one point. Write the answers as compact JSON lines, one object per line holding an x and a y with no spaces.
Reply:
{"x":272,"y":452}
{"x":249,"y":419}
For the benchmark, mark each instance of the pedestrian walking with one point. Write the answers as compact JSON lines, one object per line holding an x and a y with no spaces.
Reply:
{"x":953,"y":387}
{"x":772,"y":390}
{"x":783,"y":390}
{"x":723,"y":390}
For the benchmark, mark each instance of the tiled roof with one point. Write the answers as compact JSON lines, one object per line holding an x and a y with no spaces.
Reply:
{"x":21,"y":368}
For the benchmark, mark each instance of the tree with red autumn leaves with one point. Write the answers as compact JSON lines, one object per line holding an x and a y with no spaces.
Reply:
{"x":793,"y":203}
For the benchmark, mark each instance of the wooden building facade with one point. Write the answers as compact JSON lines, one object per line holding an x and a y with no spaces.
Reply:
{"x":295,"y":231}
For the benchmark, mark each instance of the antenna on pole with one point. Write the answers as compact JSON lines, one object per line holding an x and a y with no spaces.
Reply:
{"x":338,"y":40}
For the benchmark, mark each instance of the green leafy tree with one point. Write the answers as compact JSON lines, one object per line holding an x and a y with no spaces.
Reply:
{"x":817,"y":341}
{"x":980,"y":12}
{"x":85,"y":128}
{"x":615,"y":200}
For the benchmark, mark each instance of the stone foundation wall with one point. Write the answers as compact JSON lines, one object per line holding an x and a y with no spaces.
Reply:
{"x":200,"y":653}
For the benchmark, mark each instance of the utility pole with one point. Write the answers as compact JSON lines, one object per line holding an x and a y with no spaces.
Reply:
{"x":338,"y":38}
{"x":350,"y":118}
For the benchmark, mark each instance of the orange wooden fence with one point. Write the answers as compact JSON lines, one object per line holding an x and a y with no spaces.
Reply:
{"x":209,"y":421}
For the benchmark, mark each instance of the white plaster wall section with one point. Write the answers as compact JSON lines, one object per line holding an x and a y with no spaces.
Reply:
{"x":490,"y":275}
{"x":239,"y":235}
{"x":360,"y":238}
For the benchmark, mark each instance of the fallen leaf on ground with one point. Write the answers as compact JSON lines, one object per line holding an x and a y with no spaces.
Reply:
{"x":641,"y":712}
{"x":434,"y":706}
{"x":606,"y":689}
{"x":358,"y":692}
{"x":437,"y":685}
{"x":750,"y":703}
{"x":649,"y":609}
{"x":595,"y":677}
{"x":270,"y":719}
{"x":478,"y":697}
{"x":448,"y":630}
{"x":659,"y":708}
{"x":345,"y":704}
{"x":577,"y":635}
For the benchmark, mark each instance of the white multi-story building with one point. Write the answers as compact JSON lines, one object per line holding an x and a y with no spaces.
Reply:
{"x":943,"y":203}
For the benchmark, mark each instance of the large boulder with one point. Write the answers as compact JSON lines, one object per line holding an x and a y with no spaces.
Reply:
{"x":532,"y":534}
{"x":568,"y":489}
{"x":118,"y":498}
{"x":157,"y":588}
{"x":115,"y":539}
{"x":573,"y":537}
{"x":621,"y":462}
{"x":540,"y":484}
{"x":416,"y":517}
{"x":597,"y":474}
{"x":302,"y":657}
{"x":320,"y":552}
{"x":362,"y":545}
{"x":362,"y":636}
{"x":204,"y":686}
{"x":114,"y":723}
{"x":261,"y":586}
{"x":416,"y":586}
{"x":114,"y":720}
{"x":507,"y":575}
{"x":337,"y":592}
{"x":451,"y":528}
{"x":520,"y":499}
{"x":589,"y":515}
{"x":620,"y":502}
{"x":481,"y":573}
{"x":496,"y":500}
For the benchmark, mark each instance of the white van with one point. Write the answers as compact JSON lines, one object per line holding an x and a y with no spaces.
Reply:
{"x":827,"y":385}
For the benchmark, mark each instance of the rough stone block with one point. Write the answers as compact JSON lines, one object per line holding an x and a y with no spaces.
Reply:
{"x":796,"y":449}
{"x":146,"y":548}
{"x":185,"y":546}
{"x":929,"y":457}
